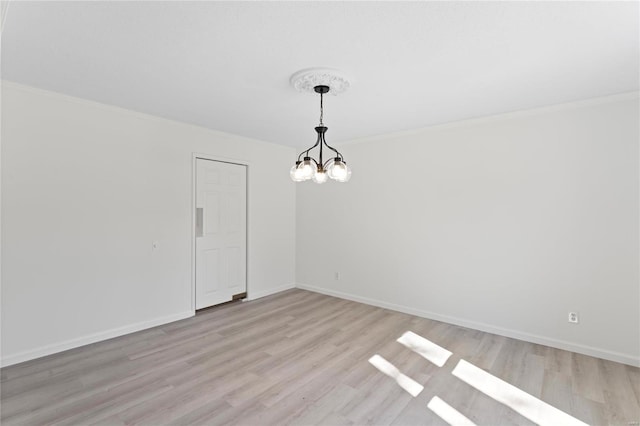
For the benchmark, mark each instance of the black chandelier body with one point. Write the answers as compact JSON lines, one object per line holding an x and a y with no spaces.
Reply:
{"x":319,"y":171}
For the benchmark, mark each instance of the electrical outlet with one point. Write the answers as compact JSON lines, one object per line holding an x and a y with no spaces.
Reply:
{"x":573,"y":317}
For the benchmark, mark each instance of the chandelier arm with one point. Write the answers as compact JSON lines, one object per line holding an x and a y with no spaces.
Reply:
{"x":309,"y":149}
{"x":322,"y":142}
{"x":318,"y":142}
{"x":333,"y":149}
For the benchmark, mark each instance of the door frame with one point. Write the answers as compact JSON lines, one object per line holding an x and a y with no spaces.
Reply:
{"x":194,"y":157}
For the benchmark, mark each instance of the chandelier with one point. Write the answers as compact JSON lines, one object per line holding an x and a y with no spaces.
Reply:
{"x":306,"y":166}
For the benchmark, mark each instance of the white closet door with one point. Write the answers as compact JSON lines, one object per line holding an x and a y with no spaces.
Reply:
{"x":221,"y":232}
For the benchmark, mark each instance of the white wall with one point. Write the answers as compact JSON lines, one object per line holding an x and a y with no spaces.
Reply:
{"x":503,"y":224}
{"x":86,"y":189}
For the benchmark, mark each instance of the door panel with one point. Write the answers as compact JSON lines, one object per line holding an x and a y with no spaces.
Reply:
{"x":212,"y":213}
{"x":211,"y":276}
{"x":233,"y":258}
{"x":232,"y":213}
{"x":221,"y":250}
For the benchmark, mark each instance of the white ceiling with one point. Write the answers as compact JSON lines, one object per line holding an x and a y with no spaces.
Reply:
{"x":226,"y":65}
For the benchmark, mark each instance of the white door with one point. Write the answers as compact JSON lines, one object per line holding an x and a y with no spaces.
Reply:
{"x":221,"y":232}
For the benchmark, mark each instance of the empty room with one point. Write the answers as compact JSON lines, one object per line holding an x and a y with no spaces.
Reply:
{"x":320,"y":213}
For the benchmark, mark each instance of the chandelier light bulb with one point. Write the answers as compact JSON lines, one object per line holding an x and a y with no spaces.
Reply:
{"x":308,"y":168}
{"x":320,"y":176}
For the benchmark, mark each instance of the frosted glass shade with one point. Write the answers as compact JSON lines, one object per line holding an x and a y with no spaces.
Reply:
{"x":337,"y":170}
{"x":308,"y":169}
{"x":346,"y":176}
{"x":296,"y":173}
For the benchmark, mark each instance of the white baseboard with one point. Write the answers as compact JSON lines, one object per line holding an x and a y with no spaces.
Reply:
{"x":90,"y":338}
{"x":514,"y":334}
{"x":253,"y":295}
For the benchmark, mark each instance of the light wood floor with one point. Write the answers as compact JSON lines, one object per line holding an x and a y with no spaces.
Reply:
{"x":302,"y":358}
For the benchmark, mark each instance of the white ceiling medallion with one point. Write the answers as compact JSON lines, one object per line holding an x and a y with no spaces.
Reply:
{"x":307,"y":79}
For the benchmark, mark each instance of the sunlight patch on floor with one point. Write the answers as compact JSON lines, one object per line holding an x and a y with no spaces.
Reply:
{"x":407,"y":383}
{"x":448,"y":413}
{"x":518,"y":400}
{"x":425,"y":348}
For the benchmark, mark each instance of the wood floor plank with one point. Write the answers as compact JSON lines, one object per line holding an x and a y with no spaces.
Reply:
{"x":558,"y":361}
{"x":329,"y":404}
{"x":591,"y":412}
{"x":417,"y":413}
{"x":302,"y":358}
{"x":556,"y":390}
{"x":587,"y":379}
{"x":621,"y":402}
{"x":634,"y":378}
